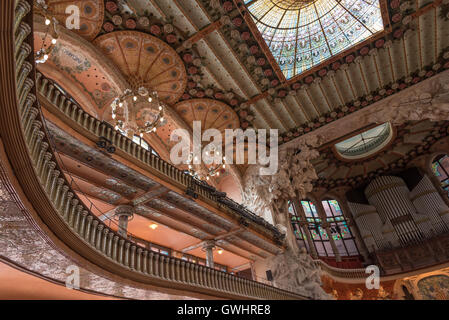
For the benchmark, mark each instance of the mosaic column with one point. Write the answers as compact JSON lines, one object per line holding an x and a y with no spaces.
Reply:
{"x":124,"y":213}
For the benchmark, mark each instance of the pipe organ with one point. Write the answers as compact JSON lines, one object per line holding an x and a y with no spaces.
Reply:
{"x":427,"y":201}
{"x":373,"y":231}
{"x":391,"y":211}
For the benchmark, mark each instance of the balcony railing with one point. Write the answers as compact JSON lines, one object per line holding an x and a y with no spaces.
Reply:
{"x":64,"y":103}
{"x":36,"y":169}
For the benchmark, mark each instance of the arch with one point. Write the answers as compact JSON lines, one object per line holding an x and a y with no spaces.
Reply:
{"x":229,"y":184}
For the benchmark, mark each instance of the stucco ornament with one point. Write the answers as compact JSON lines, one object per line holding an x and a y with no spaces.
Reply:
{"x":256,"y":196}
{"x":297,"y":272}
{"x":296,"y":172}
{"x":295,"y":175}
{"x":429,"y":101}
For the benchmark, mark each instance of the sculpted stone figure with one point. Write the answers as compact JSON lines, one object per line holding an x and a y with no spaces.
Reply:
{"x":267,"y":196}
{"x":297,"y":272}
{"x":428,"y":101}
{"x":294,"y":176}
{"x":357,"y":295}
{"x":382,"y":294}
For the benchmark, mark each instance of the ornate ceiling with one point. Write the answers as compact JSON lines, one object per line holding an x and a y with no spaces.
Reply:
{"x":212,"y":51}
{"x":302,"y":34}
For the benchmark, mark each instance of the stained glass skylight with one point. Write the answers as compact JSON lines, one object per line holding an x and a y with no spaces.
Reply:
{"x":365,"y":143}
{"x":303,"y":33}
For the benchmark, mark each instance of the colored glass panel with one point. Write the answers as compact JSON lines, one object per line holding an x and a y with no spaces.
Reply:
{"x":365,"y":143}
{"x":303,"y":33}
{"x":440,"y":168}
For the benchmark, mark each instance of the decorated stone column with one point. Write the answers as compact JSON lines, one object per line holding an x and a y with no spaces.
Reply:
{"x":124,"y":213}
{"x":208,"y":247}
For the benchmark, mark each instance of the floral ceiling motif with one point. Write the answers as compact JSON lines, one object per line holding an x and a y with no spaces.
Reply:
{"x":91,"y":15}
{"x":212,"y":114}
{"x":80,"y":73}
{"x":147,"y":60}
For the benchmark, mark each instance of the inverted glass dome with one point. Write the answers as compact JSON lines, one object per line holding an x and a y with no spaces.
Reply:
{"x":303,"y":33}
{"x":365,"y":143}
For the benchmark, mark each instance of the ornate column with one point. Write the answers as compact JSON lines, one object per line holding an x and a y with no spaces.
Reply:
{"x":123,"y":213}
{"x":327,"y":227}
{"x":208,"y":247}
{"x":305,"y":227}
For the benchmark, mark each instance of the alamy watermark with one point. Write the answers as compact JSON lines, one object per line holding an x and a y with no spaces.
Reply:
{"x":236,"y":141}
{"x":373,"y":280}
{"x":73,"y":20}
{"x":73,"y":278}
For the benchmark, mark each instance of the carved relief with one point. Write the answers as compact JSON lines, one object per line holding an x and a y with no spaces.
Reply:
{"x":296,"y":271}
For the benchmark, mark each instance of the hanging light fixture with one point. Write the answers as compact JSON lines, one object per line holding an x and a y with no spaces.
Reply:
{"x":153,"y":226}
{"x":43,"y":53}
{"x":209,"y":172}
{"x":138,"y":110}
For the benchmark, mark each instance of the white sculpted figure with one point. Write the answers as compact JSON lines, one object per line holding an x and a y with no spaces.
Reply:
{"x":295,"y":175}
{"x":297,"y":272}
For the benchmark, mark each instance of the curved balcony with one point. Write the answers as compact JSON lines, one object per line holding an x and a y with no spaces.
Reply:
{"x":45,"y":187}
{"x":395,"y":263}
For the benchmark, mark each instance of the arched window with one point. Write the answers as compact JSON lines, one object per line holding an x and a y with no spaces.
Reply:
{"x":341,"y":233}
{"x":440,"y":168}
{"x":317,"y":233}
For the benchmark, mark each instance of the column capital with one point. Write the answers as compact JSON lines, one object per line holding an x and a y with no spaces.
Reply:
{"x":209,"y":244}
{"x":124,"y":210}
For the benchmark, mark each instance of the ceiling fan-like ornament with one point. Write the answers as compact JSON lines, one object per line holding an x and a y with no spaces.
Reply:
{"x":43,"y":53}
{"x":138,"y":110}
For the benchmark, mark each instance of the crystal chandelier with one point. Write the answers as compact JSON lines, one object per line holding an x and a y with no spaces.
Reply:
{"x":138,"y":111}
{"x":205,"y":173}
{"x":43,"y":53}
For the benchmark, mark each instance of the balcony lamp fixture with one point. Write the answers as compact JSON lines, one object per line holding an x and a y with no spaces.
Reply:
{"x":220,"y":251}
{"x":138,"y":110}
{"x":153,"y":226}
{"x":210,"y":172}
{"x":43,"y":53}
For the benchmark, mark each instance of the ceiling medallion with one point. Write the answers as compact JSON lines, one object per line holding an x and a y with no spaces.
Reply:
{"x":43,"y":53}
{"x":138,"y":110}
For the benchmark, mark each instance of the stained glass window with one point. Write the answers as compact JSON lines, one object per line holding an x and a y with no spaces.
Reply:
{"x":365,"y":143}
{"x":341,"y":234}
{"x":318,"y":234}
{"x":440,"y":168}
{"x":303,"y":33}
